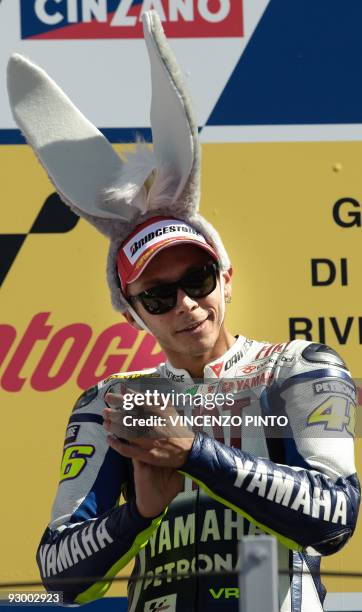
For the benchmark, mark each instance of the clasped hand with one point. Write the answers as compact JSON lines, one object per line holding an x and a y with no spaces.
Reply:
{"x":145,"y":432}
{"x":156,"y":455}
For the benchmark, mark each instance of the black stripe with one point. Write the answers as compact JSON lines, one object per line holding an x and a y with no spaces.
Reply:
{"x":10,"y":245}
{"x":15,"y":137}
{"x":315,"y":375}
{"x":86,"y":418}
{"x":54,"y":217}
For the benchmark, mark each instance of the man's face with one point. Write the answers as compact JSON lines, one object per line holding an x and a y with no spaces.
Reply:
{"x":193,"y":326}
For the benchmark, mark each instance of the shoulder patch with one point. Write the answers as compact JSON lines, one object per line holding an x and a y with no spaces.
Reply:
{"x":321,"y":353}
{"x":86,"y":397}
{"x":71,"y":433}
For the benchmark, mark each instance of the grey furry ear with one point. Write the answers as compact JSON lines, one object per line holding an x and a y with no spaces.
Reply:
{"x":174,"y":129}
{"x":171,"y":174}
{"x":86,"y":171}
{"x":111,"y":193}
{"x":77,"y":157}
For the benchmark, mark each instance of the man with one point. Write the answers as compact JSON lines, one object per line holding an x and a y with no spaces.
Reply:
{"x":297,"y":487}
{"x":189,"y":496}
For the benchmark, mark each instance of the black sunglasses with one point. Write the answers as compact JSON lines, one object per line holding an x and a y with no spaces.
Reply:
{"x":197,"y":283}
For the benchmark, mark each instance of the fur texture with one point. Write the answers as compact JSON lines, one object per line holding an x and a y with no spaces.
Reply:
{"x":190,"y":197}
{"x":148,"y":182}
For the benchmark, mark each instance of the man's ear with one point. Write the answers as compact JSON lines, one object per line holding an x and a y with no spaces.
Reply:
{"x":129,"y":318}
{"x":227,"y":274}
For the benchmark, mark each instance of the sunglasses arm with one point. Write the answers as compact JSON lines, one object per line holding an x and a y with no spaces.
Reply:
{"x":137,"y":318}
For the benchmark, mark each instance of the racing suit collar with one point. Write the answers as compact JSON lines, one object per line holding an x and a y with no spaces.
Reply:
{"x":213,"y":369}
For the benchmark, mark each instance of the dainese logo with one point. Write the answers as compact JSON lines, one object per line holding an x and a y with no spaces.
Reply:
{"x":217,"y":367}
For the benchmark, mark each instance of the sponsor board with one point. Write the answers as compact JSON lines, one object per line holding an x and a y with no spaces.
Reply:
{"x":47,"y":349}
{"x":56,"y":282}
{"x":270,"y":202}
{"x":87,"y":19}
{"x":70,"y":351}
{"x":208,"y":37}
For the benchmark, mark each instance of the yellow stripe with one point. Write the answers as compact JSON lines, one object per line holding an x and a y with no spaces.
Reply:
{"x":283,"y":540}
{"x":99,"y":589}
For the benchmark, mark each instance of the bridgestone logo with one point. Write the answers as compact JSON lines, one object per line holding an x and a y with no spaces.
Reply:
{"x":161,"y":232}
{"x":158,"y":233}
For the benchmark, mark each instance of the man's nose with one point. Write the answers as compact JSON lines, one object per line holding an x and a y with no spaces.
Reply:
{"x":185,"y":303}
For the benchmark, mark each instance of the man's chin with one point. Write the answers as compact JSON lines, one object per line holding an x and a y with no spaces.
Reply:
{"x":197,"y":345}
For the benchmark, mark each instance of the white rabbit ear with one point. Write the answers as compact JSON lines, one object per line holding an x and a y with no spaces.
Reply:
{"x":78,"y":158}
{"x":174,"y":130}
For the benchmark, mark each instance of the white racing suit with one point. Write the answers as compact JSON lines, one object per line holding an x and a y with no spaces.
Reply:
{"x":301,"y":487}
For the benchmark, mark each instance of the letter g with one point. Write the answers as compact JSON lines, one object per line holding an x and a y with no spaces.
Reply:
{"x":127,"y":401}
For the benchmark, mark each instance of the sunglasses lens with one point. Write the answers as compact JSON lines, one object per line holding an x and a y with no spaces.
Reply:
{"x":197,"y":283}
{"x":200,"y":283}
{"x":159,"y":304}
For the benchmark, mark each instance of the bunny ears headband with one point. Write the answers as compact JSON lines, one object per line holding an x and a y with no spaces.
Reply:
{"x":115,"y":195}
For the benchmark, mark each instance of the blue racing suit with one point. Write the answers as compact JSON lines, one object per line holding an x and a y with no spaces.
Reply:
{"x":239,"y":479}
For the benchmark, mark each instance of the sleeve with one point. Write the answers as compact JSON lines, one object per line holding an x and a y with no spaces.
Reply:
{"x":310,"y":499}
{"x":90,"y":537}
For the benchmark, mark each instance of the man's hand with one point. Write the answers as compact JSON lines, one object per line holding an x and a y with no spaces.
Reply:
{"x":170,"y":452}
{"x":155,"y":487}
{"x":161,"y":444}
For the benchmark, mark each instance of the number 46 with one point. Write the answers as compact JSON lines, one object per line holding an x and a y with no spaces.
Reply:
{"x":337,"y":413}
